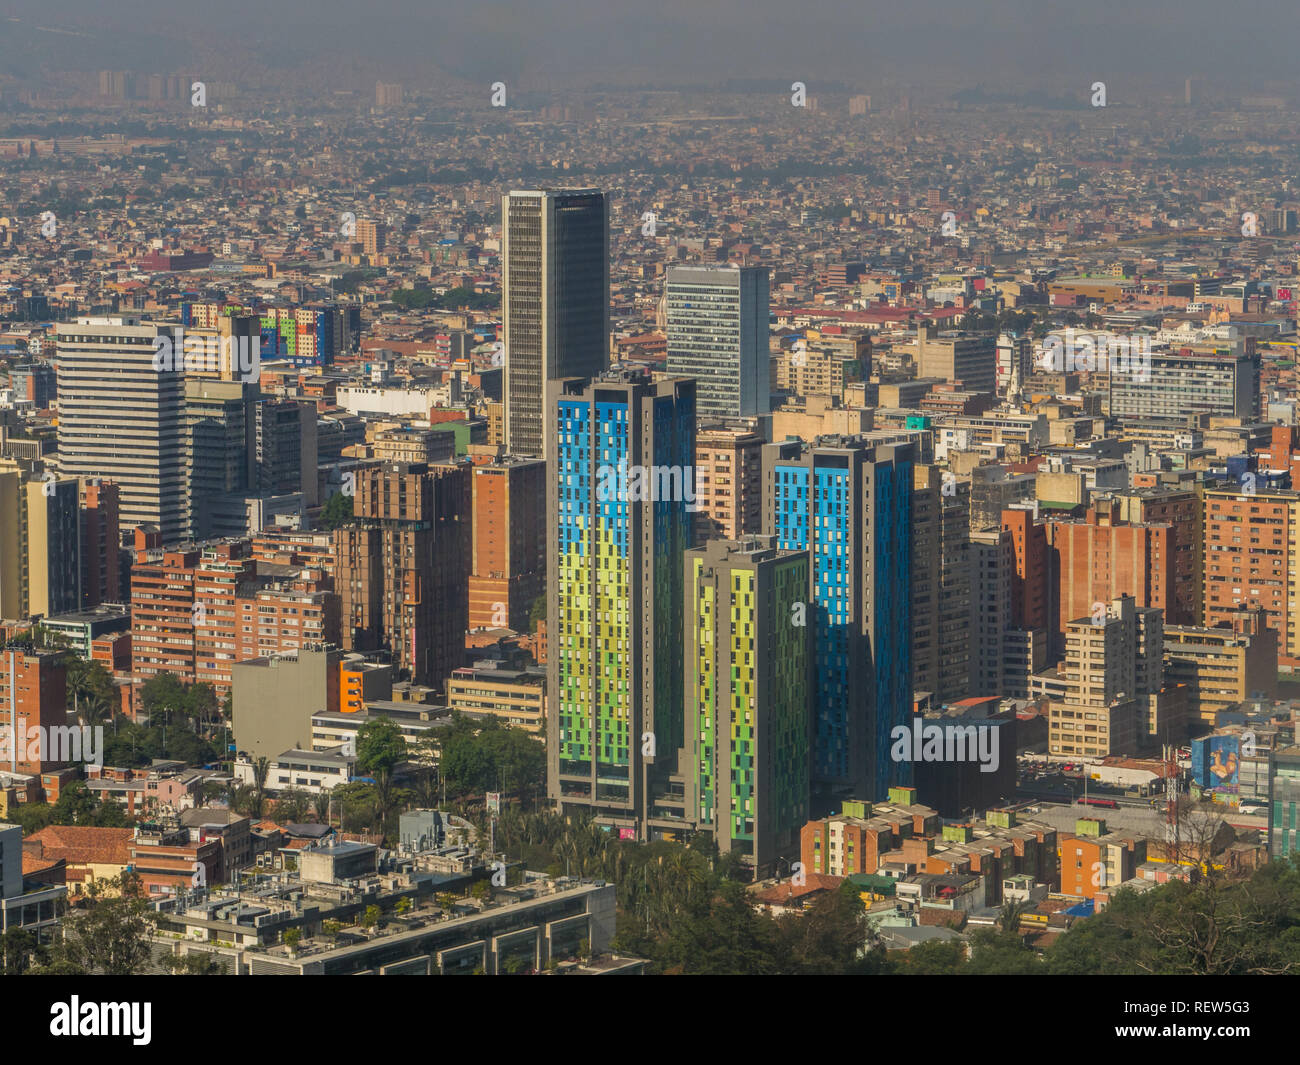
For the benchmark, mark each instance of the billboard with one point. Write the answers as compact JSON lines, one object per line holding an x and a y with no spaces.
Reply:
{"x":1216,"y":763}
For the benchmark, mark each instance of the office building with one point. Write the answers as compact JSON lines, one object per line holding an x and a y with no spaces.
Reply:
{"x":123,"y":420}
{"x":1223,"y":384}
{"x":847,"y":502}
{"x":554,"y":301}
{"x":747,"y":762}
{"x":717,"y":333}
{"x":515,"y":697}
{"x":619,"y":521}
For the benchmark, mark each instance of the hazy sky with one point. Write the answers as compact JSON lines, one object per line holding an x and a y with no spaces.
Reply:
{"x":1049,"y":45}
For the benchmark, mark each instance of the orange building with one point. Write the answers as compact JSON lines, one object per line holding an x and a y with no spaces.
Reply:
{"x":361,"y":681}
{"x":1250,"y":560}
{"x":1094,"y":860}
{"x":1029,"y":581}
{"x":1180,"y":509}
{"x":33,"y":695}
{"x":508,"y":553}
{"x":1101,"y":558}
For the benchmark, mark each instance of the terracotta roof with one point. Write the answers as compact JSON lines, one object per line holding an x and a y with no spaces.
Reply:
{"x":83,"y":845}
{"x":787,"y":890}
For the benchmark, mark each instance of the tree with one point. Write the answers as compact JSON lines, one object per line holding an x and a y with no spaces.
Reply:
{"x":292,"y":937}
{"x":380,"y":749}
{"x":403,"y":906}
{"x":537,"y":612}
{"x":260,"y":770}
{"x":18,"y":950}
{"x":481,"y":891}
{"x":293,"y":806}
{"x":112,"y":936}
{"x":370,"y":917}
{"x":336,"y":512}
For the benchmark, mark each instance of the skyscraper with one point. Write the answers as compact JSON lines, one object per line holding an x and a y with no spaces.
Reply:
{"x":122,"y":419}
{"x":554,"y":300}
{"x":620,"y":519}
{"x":747,"y":761}
{"x":848,"y":502}
{"x":941,"y":584}
{"x":717,"y":333}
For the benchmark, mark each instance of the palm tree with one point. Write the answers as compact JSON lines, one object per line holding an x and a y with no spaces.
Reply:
{"x":260,"y":770}
{"x":1009,"y":919}
{"x":97,"y":709}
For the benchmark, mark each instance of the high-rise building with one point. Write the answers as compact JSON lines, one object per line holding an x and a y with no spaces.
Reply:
{"x":848,"y":503}
{"x":40,"y":544}
{"x":222,"y":457}
{"x":508,"y":555}
{"x":728,"y":482}
{"x":1015,"y":358}
{"x":992,"y":563}
{"x":554,"y":301}
{"x":619,"y":523}
{"x":717,"y":333}
{"x":1101,"y":558}
{"x":1180,"y":509}
{"x":1114,"y":684}
{"x":402,"y":569}
{"x":372,"y":236}
{"x":124,"y":420}
{"x":1249,"y":560}
{"x":33,"y":695}
{"x":13,"y":543}
{"x":747,"y":762}
{"x":53,"y":547}
{"x":1284,"y":802}
{"x":388,"y":94}
{"x":101,"y":540}
{"x":942,"y":634}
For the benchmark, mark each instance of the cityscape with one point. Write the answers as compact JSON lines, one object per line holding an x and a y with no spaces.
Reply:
{"x":574,"y":505}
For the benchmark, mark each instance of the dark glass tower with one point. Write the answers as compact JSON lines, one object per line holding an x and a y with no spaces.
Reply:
{"x":554,"y":300}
